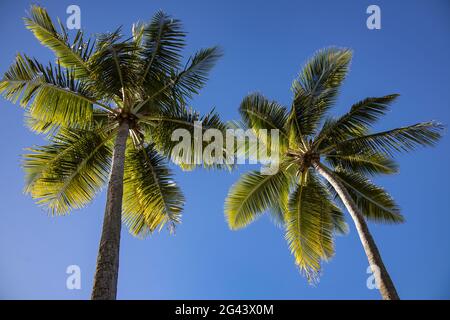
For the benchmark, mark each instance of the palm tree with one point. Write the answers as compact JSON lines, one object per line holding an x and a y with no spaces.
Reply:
{"x":96,"y":96}
{"x":324,"y":160}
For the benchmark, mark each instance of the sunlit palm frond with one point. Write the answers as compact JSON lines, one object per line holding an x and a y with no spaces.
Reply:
{"x":100,"y":119}
{"x":253,"y":194}
{"x":354,"y":123}
{"x":51,"y":94}
{"x":137,"y":31}
{"x":67,"y":173}
{"x":402,"y":139}
{"x":373,"y":201}
{"x":70,"y":55}
{"x":317,"y":87}
{"x":151,"y":198}
{"x":363,"y":163}
{"x":310,"y":226}
{"x":40,"y":126}
{"x":162,"y":128}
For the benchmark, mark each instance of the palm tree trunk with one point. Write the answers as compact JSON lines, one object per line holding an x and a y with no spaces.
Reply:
{"x":382,"y":278}
{"x":107,"y":270}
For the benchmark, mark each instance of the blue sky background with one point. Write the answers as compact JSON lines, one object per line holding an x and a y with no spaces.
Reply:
{"x":265,"y":44}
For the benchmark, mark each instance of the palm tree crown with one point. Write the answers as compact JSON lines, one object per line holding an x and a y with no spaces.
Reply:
{"x":298,"y":196}
{"x":81,"y":100}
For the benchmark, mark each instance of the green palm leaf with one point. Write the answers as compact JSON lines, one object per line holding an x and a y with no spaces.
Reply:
{"x":162,"y":41}
{"x":363,"y":163}
{"x":100,"y":119}
{"x":317,"y":87}
{"x":69,"y":56}
{"x":162,"y":124}
{"x":310,"y":225}
{"x":164,"y":88}
{"x":67,"y":173}
{"x":50,"y":93}
{"x":151,"y":198}
{"x":338,"y":220}
{"x":373,"y":201}
{"x":402,"y":139}
{"x":115,"y":68}
{"x":354,"y":123}
{"x":193,"y":78}
{"x":255,"y":193}
{"x":259,"y":113}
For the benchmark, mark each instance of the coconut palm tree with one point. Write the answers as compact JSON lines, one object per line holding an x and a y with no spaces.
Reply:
{"x":107,"y":108}
{"x":325,"y":163}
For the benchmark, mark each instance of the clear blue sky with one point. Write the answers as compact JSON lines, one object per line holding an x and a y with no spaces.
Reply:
{"x":265,"y":44}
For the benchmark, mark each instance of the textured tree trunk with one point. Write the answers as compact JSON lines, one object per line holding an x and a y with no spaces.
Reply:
{"x":107,"y":270}
{"x":382,"y":278}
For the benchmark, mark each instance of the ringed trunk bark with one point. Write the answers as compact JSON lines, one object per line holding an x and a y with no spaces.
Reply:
{"x":107,"y":270}
{"x":386,"y":286}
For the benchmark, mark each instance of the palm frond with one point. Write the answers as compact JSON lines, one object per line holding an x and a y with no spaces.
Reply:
{"x":162,"y":42}
{"x":50,"y":93}
{"x":338,"y":220}
{"x":137,"y":31}
{"x":67,"y":173}
{"x":115,"y":68}
{"x":354,"y":123}
{"x":317,"y":86}
{"x":162,"y":124}
{"x":363,"y":163}
{"x":373,"y":201}
{"x":310,"y":225}
{"x":100,"y":120}
{"x":258,"y":113}
{"x":70,"y":55}
{"x":402,"y":139}
{"x":253,"y":194}
{"x":151,"y":197}
{"x":193,"y":78}
{"x":164,"y":88}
